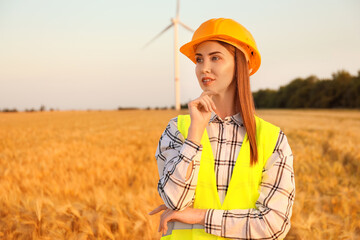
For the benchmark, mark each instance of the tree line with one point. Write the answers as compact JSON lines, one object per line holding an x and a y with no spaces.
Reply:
{"x":341,"y":91}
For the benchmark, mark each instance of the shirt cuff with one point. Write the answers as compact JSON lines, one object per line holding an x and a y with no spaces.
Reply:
{"x":194,"y":145}
{"x":213,"y":221}
{"x":189,"y":150}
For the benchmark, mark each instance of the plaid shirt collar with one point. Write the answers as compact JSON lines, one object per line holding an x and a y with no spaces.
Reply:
{"x":234,"y":119}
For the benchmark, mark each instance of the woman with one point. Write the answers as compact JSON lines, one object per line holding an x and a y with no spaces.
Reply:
{"x":224,"y":172}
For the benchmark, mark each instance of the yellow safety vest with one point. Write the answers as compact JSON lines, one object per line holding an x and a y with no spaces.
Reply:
{"x":244,"y":185}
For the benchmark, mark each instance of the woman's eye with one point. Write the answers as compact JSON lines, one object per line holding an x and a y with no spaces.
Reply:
{"x":215,"y":58}
{"x":198,"y":60}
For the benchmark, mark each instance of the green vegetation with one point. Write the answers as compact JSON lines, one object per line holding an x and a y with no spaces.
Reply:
{"x":342,"y":91}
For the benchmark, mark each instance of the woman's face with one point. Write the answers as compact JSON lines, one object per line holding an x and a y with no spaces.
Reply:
{"x":214,"y":67}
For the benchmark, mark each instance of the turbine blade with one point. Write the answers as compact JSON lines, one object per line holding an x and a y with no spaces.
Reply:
{"x":158,"y":35}
{"x":186,"y":26}
{"x":177,"y":8}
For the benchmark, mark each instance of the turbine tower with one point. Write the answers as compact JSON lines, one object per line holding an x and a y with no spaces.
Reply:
{"x":174,"y":22}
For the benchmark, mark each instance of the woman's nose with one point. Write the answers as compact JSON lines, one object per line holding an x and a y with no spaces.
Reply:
{"x":206,"y":67}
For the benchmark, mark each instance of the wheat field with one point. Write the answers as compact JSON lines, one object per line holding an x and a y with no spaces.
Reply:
{"x":93,"y":174}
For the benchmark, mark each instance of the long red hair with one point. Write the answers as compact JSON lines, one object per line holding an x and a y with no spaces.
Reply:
{"x":244,"y":97}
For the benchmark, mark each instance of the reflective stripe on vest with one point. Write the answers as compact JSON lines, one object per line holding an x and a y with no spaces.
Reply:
{"x":243,"y":190}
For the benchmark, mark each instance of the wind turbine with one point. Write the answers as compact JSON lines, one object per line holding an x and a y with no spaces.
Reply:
{"x":174,"y":22}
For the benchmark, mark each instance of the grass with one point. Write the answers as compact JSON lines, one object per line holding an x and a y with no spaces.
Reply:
{"x":93,"y":175}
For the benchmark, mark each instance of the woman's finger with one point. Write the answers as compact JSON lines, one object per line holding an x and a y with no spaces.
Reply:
{"x":158,"y":209}
{"x":210,"y":103}
{"x":163,"y":218}
{"x":209,"y":95}
{"x":204,"y":104}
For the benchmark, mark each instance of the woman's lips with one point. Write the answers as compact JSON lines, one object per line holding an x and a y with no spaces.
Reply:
{"x":207,"y":81}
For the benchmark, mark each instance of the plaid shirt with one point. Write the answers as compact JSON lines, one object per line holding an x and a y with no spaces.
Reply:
{"x":271,"y":217}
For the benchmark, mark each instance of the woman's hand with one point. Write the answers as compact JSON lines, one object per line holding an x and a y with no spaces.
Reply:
{"x":200,"y":108}
{"x":200,"y":112}
{"x":188,"y":215}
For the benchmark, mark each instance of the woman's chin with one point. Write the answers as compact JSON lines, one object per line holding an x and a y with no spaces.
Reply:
{"x":205,"y":87}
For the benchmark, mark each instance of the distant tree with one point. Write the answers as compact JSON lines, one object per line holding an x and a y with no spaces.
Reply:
{"x":8,"y":110}
{"x":342,"y":91}
{"x":299,"y":97}
{"x":126,"y":108}
{"x":265,"y":98}
{"x":321,"y":95}
{"x":341,"y":84}
{"x":184,"y":106}
{"x":42,"y":108}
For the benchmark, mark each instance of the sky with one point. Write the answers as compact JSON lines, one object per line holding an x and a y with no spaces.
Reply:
{"x":80,"y":55}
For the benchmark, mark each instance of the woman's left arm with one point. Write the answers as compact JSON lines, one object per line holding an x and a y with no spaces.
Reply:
{"x":271,"y":218}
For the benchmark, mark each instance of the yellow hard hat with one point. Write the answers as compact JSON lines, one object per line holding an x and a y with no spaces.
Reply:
{"x":229,"y":31}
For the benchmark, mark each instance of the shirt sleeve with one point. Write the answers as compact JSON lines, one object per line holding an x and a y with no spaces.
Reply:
{"x":174,"y":155}
{"x":271,"y":217}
